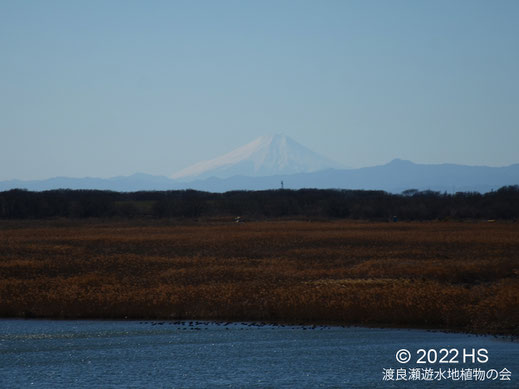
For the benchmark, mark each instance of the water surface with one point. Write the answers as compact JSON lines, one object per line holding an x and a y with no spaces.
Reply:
{"x":133,"y":354}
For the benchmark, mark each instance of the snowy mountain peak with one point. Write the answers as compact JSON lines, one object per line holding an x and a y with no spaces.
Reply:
{"x":265,"y":156}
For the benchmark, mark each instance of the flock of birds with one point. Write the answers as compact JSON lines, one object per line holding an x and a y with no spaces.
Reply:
{"x":204,"y":325}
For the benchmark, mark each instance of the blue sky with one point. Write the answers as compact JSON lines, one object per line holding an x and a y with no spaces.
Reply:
{"x":106,"y":88}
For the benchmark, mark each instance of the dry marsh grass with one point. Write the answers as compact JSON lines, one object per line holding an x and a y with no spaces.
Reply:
{"x":461,"y":276}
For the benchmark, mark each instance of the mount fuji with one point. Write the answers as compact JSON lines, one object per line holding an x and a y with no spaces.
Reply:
{"x":265,"y":162}
{"x":265,"y":156}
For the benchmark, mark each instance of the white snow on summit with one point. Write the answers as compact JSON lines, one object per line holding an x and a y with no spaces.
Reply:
{"x":265,"y":156}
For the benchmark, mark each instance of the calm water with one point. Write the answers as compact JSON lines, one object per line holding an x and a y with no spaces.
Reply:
{"x":132,"y":354}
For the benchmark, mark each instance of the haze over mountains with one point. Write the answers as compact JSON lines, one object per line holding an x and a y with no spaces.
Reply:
{"x":265,"y":156}
{"x":268,"y":160}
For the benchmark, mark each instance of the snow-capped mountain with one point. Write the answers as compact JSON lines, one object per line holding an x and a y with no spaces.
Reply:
{"x":266,"y":156}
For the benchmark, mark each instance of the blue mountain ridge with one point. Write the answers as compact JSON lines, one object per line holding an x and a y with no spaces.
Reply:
{"x":395,"y":177}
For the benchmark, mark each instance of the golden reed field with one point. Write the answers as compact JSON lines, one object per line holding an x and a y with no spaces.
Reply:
{"x":443,"y":275}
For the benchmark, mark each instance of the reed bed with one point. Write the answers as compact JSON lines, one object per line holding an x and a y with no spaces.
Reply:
{"x":443,"y":275}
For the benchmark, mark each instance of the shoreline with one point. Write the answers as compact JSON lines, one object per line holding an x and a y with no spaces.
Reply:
{"x":259,"y":323}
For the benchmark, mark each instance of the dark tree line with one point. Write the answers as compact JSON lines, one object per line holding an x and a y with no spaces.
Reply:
{"x":310,"y":203}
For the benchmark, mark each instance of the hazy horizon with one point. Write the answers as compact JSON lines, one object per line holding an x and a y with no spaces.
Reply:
{"x":105,"y":89}
{"x":180,"y":179}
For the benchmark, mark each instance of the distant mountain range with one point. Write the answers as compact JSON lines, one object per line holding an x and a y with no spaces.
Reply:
{"x":267,"y":161}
